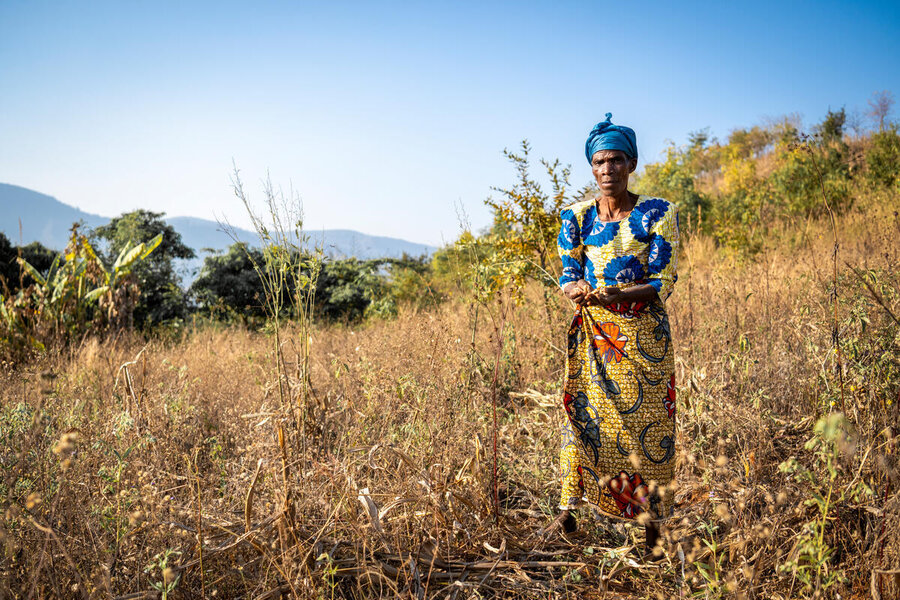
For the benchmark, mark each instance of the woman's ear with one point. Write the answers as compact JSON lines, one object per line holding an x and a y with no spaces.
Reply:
{"x":633,"y":165}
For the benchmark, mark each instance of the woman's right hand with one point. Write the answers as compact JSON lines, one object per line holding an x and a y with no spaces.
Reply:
{"x":578,"y":291}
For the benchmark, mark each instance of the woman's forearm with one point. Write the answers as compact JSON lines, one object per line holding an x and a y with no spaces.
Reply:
{"x":637,"y":293}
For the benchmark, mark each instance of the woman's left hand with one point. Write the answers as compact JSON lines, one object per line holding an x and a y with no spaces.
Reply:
{"x":605,"y":296}
{"x":613,"y":295}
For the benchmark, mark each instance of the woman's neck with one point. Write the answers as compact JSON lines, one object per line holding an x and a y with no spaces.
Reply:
{"x":616,"y":206}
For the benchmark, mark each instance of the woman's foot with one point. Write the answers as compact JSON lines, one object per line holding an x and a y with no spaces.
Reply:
{"x":569,"y":525}
{"x":652,"y":536}
{"x":565,"y":523}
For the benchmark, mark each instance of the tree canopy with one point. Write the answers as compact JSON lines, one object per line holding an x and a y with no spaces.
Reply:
{"x":162,"y":298}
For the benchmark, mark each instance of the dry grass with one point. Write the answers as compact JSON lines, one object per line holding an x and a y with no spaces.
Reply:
{"x":128,"y":467}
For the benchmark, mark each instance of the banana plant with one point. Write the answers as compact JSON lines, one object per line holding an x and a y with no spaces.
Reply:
{"x":62,"y":302}
{"x":128,"y":257}
{"x":117,"y":296}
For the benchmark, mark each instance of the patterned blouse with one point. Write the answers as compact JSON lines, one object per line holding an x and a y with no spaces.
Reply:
{"x":638,"y":249}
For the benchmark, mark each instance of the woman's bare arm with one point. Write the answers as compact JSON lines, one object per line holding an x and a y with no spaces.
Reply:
{"x":613,"y":295}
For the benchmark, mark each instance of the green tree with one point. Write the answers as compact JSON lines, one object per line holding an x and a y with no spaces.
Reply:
{"x":832,"y":127}
{"x":229,"y":282}
{"x":161,"y":298}
{"x":346,"y":288}
{"x":36,"y":254}
{"x":9,"y":270}
{"x":750,"y":143}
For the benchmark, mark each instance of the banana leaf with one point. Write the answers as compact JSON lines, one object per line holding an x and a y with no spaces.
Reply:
{"x":151,"y":246}
{"x":121,"y":258}
{"x":96,"y":293}
{"x":31,"y":271}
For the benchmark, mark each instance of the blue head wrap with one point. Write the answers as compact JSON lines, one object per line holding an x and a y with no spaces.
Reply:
{"x":606,"y":136}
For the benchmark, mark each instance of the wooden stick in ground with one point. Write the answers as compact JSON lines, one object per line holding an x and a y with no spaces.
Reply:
{"x":248,"y":499}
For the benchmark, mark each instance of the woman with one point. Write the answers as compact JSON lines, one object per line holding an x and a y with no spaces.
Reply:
{"x":618,"y":253}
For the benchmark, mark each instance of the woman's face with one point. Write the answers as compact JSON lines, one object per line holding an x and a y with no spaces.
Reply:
{"x":611,"y":170}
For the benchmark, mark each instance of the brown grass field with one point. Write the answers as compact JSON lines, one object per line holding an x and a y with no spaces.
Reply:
{"x":171,"y":467}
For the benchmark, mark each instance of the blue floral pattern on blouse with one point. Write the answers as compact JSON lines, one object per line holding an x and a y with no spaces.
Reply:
{"x":644,"y":251}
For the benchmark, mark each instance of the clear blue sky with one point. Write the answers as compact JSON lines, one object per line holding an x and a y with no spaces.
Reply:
{"x":385,"y":116}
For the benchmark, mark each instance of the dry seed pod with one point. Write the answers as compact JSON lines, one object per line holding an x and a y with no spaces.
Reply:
{"x":723,"y":513}
{"x":32,"y":501}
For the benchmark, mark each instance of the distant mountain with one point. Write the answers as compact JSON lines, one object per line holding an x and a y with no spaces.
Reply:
{"x":48,"y":221}
{"x":200,"y":234}
{"x":44,"y":219}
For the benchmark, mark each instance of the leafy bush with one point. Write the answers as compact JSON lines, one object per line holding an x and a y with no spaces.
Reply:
{"x":409,"y":281}
{"x":526,"y":224}
{"x":677,"y":177}
{"x":346,"y":288}
{"x":802,"y":173}
{"x":228,"y":283}
{"x":883,"y":158}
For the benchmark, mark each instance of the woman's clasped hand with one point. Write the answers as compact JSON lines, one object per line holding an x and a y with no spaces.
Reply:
{"x":582,"y":294}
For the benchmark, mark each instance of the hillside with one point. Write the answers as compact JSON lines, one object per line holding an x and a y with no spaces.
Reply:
{"x":43,"y":218}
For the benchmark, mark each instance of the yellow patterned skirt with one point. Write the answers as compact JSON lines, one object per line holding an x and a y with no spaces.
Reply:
{"x":618,"y":441}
